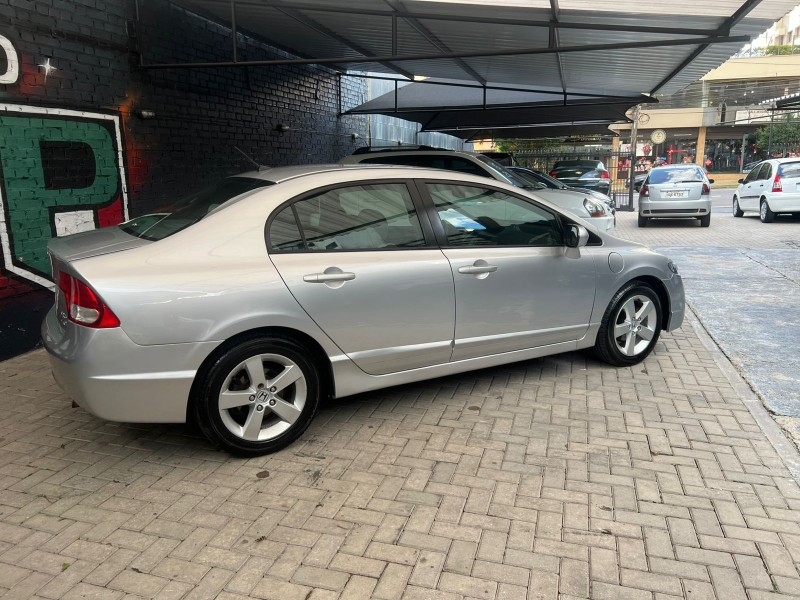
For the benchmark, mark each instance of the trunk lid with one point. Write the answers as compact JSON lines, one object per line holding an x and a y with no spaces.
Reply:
{"x":92,"y":243}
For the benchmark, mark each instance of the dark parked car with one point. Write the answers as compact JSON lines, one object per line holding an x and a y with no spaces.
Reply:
{"x":581,"y":173}
{"x":555,"y":184}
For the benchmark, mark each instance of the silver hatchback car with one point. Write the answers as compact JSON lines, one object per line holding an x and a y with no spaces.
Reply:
{"x":246,"y":304}
{"x":676,"y":191}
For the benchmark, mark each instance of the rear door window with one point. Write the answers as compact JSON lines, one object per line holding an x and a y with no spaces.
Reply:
{"x":362,"y":217}
{"x":765,"y":172}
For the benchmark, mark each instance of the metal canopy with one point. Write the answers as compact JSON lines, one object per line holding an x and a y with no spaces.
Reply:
{"x":624,"y":45}
{"x":467,"y":110}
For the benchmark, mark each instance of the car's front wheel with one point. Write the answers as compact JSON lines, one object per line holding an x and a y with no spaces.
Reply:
{"x":737,"y":212}
{"x":630,"y":326}
{"x":766,"y":214}
{"x":259,"y":396}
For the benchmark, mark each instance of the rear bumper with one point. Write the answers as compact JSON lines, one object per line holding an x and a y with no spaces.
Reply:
{"x":674,"y":208}
{"x":601,"y":185}
{"x":117,"y":380}
{"x":784,"y":202}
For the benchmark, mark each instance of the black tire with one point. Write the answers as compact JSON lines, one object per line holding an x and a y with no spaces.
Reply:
{"x":737,"y":212}
{"x":766,"y":214}
{"x":705,"y":220}
{"x":641,"y":221}
{"x":206,"y":403}
{"x":606,"y":347}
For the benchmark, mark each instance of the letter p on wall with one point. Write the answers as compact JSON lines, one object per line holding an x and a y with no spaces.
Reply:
{"x":61,"y":172}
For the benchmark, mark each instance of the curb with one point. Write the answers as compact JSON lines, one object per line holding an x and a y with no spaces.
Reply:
{"x":786,"y":450}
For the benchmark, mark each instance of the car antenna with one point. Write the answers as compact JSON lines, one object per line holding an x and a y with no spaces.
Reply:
{"x":250,"y":159}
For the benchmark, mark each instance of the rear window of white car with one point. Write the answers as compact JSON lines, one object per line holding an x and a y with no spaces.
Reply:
{"x":789,"y":170}
{"x":676,"y":175}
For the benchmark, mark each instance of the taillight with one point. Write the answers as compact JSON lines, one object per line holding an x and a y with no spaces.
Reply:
{"x":604,"y":175}
{"x":84,"y":307}
{"x":706,"y":189}
{"x":554,"y":174}
{"x":777,"y":186}
{"x":644,"y":192}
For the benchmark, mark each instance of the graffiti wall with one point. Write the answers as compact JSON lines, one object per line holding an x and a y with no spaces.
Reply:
{"x":77,"y":151}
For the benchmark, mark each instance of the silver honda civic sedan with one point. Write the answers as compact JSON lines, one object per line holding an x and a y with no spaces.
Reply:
{"x":244,"y":305}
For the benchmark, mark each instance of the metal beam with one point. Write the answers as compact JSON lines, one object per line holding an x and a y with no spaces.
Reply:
{"x":406,"y":14}
{"x":723,"y":29}
{"x":233,"y":32}
{"x":319,"y":28}
{"x":433,"y":40}
{"x":554,"y":11}
{"x":343,"y":60}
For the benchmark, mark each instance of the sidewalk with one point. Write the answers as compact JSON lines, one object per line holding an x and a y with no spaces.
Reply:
{"x":559,"y":478}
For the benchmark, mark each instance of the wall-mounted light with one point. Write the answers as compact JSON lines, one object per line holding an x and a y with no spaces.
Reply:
{"x":145,"y":114}
{"x":282,"y":127}
{"x":47,"y":67}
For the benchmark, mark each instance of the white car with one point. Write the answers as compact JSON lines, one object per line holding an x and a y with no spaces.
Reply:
{"x":772,"y":187}
{"x":579,"y":203}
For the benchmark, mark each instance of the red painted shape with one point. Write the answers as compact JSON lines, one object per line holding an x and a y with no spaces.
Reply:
{"x":111,"y":214}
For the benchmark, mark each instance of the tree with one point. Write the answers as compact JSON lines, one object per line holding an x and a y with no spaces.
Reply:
{"x":785,"y":132}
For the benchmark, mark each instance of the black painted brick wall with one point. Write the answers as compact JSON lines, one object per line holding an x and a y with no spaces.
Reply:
{"x":201,"y":114}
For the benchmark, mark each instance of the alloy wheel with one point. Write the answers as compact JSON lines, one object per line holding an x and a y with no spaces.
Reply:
{"x":262,"y":397}
{"x":635,"y":325}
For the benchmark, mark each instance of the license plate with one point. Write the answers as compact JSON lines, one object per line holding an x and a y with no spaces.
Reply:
{"x":676,"y":194}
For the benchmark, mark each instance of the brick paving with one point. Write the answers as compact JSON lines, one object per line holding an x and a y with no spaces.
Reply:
{"x":552,"y":479}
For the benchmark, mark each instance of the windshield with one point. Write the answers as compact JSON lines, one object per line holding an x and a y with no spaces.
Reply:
{"x":502,"y":173}
{"x":190,"y":209}
{"x":676,"y":175}
{"x":529,"y":179}
{"x":551,"y":181}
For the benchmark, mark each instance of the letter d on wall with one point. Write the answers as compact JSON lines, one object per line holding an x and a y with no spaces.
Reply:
{"x":12,"y":62}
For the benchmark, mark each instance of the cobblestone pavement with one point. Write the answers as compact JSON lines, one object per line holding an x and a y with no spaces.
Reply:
{"x":742,"y":277}
{"x":559,"y":478}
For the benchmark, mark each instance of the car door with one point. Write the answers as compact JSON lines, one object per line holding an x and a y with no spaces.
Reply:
{"x":749,"y":197}
{"x":516,"y":285}
{"x":762,"y":186}
{"x":357,"y":259}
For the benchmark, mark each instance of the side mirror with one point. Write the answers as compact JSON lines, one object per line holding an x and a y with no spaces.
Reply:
{"x":741,"y":181}
{"x":710,"y":181}
{"x":576,"y":236}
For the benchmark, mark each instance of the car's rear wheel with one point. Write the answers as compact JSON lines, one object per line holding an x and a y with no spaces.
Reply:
{"x":766,"y":214}
{"x":641,"y":221}
{"x":737,"y":212}
{"x":259,"y":396}
{"x":705,"y":220}
{"x":630,"y":326}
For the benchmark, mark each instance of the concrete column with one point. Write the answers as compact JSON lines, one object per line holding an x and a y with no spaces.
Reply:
{"x":699,"y":155}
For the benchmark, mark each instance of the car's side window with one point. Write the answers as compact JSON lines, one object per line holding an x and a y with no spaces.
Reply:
{"x":476,"y":216}
{"x":765,"y":172}
{"x":462,"y":165}
{"x":752,"y":175}
{"x":362,"y":217}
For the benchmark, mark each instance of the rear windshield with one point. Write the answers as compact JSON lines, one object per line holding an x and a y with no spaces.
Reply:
{"x":789,"y":170}
{"x":589,"y":164}
{"x":190,"y":209}
{"x":677,"y":175}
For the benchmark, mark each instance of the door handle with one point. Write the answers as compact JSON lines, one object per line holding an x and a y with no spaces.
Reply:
{"x":328,"y":277}
{"x":480,"y":267}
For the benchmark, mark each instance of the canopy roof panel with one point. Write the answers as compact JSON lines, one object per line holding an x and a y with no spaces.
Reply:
{"x":622,"y":45}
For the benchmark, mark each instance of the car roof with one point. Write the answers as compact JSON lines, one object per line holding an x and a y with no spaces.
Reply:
{"x":279,"y":174}
{"x":389,"y":152}
{"x":676,"y":166}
